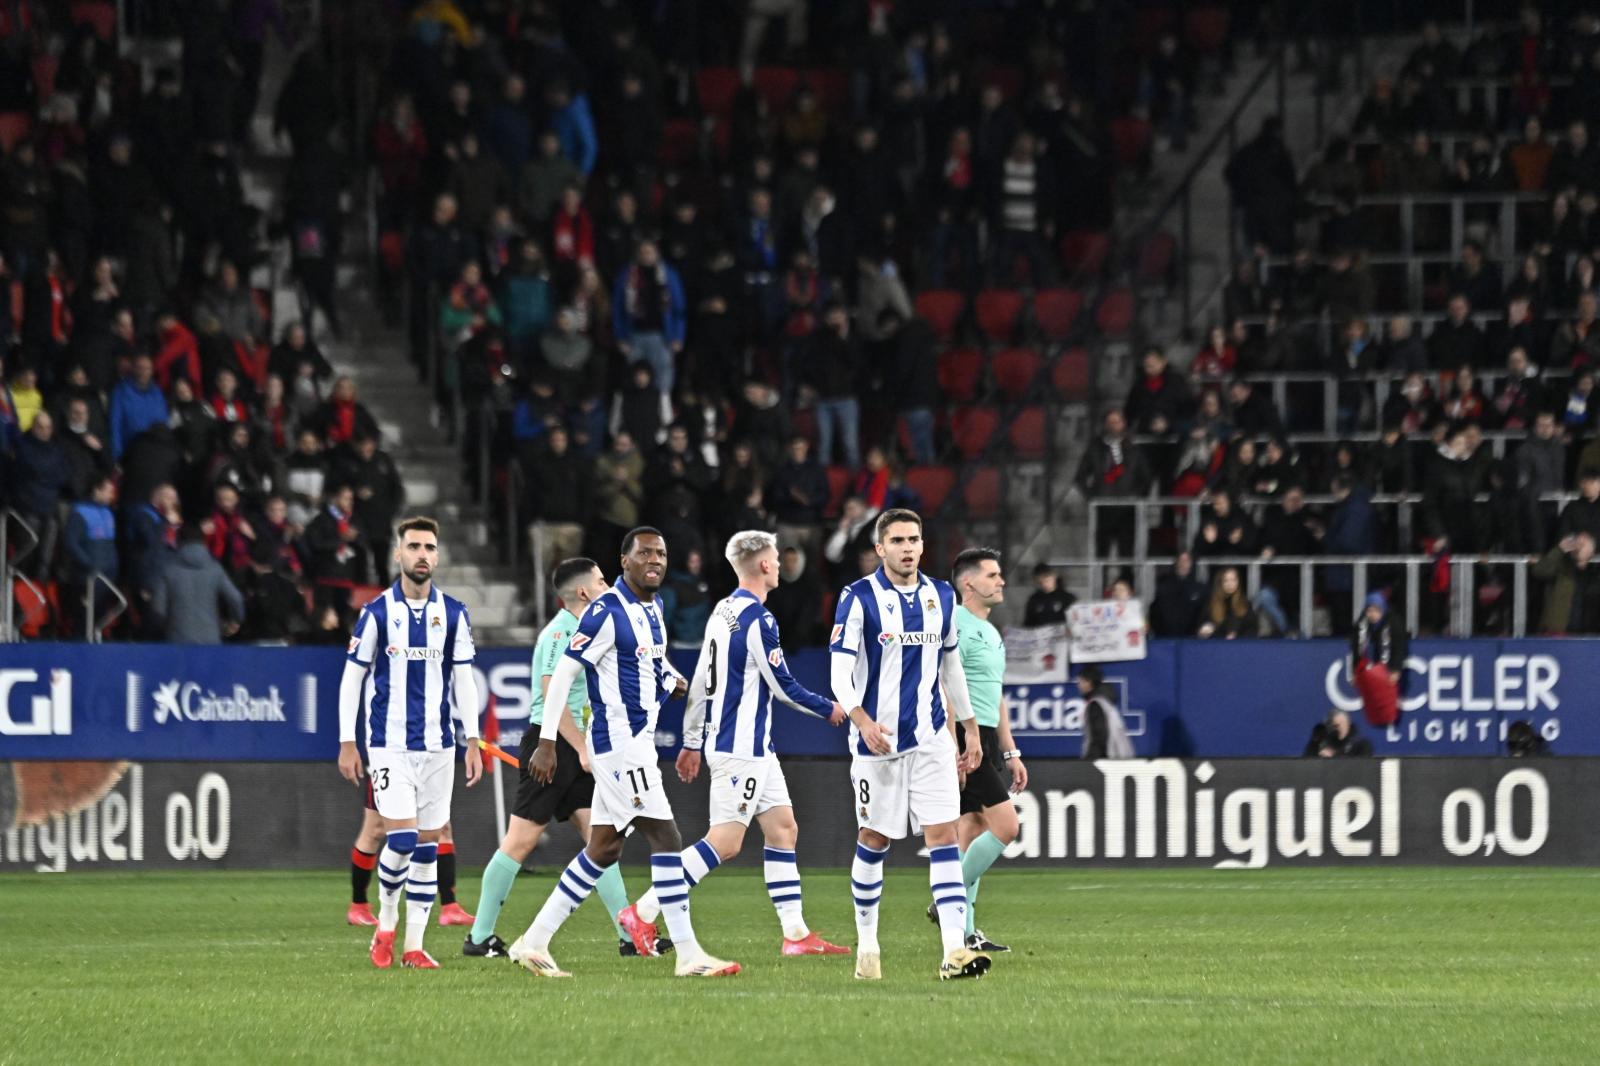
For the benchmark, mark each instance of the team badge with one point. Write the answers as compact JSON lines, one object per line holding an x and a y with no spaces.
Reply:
{"x":744,"y":808}
{"x":438,"y":623}
{"x":863,"y":812}
{"x":638,"y":804}
{"x":775,"y":657}
{"x":931,"y":604}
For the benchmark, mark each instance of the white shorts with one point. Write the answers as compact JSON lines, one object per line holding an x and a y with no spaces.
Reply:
{"x":742,"y":789}
{"x":898,"y":796}
{"x":413,"y":784}
{"x":627,"y":784}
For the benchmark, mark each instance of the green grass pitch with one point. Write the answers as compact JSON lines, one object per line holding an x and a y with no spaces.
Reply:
{"x":1279,"y":966}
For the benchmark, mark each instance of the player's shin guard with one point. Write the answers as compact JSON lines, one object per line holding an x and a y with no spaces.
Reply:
{"x":421,"y":888}
{"x":672,"y":890}
{"x":981,"y":854}
{"x":394,"y":866}
{"x":699,"y":859}
{"x":573,"y":887}
{"x":949,"y":895}
{"x":783,"y":886}
{"x":866,"y":882}
{"x":498,"y":877}
{"x":362,"y":863}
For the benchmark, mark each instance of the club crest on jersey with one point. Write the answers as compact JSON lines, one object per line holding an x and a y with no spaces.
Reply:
{"x":744,"y":808}
{"x":775,"y":656}
{"x":931,"y":604}
{"x":437,"y":623}
{"x":638,"y":804}
{"x":579,"y":641}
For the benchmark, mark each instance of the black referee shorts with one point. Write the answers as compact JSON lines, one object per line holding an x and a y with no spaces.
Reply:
{"x":984,"y":787}
{"x":569,"y":790}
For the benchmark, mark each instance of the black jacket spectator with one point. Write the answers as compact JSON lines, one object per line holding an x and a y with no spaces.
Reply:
{"x":1261,"y":177}
{"x":1180,"y":601}
{"x":558,"y":483}
{"x":1158,"y":401}
{"x":1048,"y":608}
{"x":799,"y":488}
{"x":1457,"y":340}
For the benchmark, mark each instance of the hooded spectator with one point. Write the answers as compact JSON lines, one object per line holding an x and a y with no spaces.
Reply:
{"x":193,"y":598}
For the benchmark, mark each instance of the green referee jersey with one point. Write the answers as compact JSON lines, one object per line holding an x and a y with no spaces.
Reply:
{"x":983,"y":658}
{"x":546,"y":655}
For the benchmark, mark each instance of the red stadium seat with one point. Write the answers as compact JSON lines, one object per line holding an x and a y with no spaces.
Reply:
{"x":36,"y":611}
{"x":1056,"y":312}
{"x":832,"y":86}
{"x":932,"y":484}
{"x":100,"y":15}
{"x":680,"y":140}
{"x":1130,"y":142}
{"x":716,"y":87}
{"x":776,"y":86}
{"x":361,"y":595}
{"x":1085,"y":251}
{"x":1114,"y":316}
{"x":1070,"y":374}
{"x":14,"y":126}
{"x":997,"y":312}
{"x":1027,"y":433}
{"x":973,"y":429}
{"x":838,"y":488}
{"x":1205,"y":29}
{"x":941,"y":309}
{"x":981,"y":493}
{"x":1156,"y":255}
{"x":1015,"y":370}
{"x":960,"y":370}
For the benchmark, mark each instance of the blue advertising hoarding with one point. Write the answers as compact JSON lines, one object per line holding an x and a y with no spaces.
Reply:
{"x":1188,"y":698}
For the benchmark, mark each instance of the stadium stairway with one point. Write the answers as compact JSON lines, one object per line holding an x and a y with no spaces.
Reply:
{"x":373,"y":354}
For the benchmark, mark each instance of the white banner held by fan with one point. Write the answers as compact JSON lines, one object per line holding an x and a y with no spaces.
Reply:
{"x":1036,"y":655}
{"x":1107,"y":631}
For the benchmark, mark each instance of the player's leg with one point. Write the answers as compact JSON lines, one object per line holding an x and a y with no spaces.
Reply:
{"x":935,"y":803}
{"x":1000,"y":828}
{"x":781,"y":834}
{"x":736,"y":786}
{"x":436,"y":775}
{"x":394,"y":793}
{"x":363,"y":861}
{"x":450,"y":911}
{"x":610,"y":887}
{"x":522,"y":836}
{"x":878,"y":793}
{"x":672,"y":890}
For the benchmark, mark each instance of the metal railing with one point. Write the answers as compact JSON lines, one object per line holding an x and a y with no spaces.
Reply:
{"x":95,"y":622}
{"x":1415,"y":571}
{"x":10,"y":573}
{"x":1404,"y":503}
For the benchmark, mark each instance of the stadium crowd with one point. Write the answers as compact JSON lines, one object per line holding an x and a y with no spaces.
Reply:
{"x":154,"y":429}
{"x":1480,"y":406}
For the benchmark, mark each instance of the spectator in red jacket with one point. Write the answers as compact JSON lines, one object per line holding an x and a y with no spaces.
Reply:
{"x":572,"y":230}
{"x":178,"y":353}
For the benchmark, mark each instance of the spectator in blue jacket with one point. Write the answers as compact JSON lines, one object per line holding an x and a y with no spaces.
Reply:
{"x":573,"y":123}
{"x":43,"y":479}
{"x":91,"y":544}
{"x":136,"y":405}
{"x":647,"y":314}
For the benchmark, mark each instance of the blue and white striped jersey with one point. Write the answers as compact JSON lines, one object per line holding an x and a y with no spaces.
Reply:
{"x":411,"y":651}
{"x":741,"y":670}
{"x":898,"y":639}
{"x":622,"y":643}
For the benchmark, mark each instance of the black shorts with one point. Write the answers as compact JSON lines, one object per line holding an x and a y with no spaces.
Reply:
{"x":569,"y":790}
{"x":984,"y":787}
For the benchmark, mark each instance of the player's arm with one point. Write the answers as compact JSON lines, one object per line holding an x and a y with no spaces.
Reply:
{"x":462,"y":654}
{"x":694,"y":715}
{"x":775,"y":672}
{"x":954,"y":676}
{"x":1008,"y":748}
{"x":568,"y":729}
{"x":357,"y":660}
{"x":844,"y":655}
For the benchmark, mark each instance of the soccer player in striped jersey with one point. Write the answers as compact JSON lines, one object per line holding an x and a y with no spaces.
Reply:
{"x":621,"y":651}
{"x":988,"y":817}
{"x":740,"y":672}
{"x":892,"y":648}
{"x":578,"y":583}
{"x":426,"y":640}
